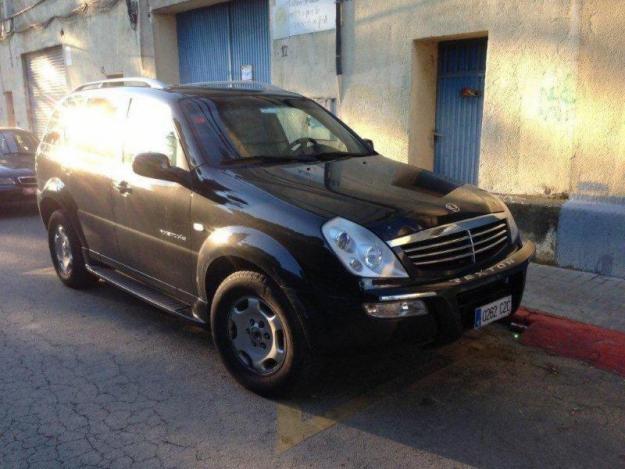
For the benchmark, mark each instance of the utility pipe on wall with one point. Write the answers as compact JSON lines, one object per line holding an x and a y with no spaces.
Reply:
{"x":339,"y":47}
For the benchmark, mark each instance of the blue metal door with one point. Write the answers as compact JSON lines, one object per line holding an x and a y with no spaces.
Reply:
{"x":459,"y":105}
{"x":216,"y":43}
{"x":251,"y":38}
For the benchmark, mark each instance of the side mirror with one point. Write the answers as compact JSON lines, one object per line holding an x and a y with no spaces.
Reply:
{"x":369,"y":143}
{"x":155,"y":166}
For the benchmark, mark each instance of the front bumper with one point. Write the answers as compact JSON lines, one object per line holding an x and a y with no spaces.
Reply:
{"x":451,"y":305}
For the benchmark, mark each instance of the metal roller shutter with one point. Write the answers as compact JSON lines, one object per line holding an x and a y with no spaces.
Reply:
{"x":251,"y":39}
{"x":214,"y":43}
{"x":203,"y":44}
{"x":46,"y":80}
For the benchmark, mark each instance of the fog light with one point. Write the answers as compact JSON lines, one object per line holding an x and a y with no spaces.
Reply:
{"x":396,"y":309}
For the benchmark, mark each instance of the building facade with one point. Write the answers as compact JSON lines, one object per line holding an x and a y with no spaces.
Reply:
{"x":521,"y":98}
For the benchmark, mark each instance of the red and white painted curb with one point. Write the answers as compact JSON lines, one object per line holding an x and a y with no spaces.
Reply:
{"x":603,"y":348}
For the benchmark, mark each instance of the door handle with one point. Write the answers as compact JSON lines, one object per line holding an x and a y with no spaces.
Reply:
{"x":122,"y":187}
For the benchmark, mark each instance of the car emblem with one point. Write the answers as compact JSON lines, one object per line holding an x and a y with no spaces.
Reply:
{"x":453,"y":208}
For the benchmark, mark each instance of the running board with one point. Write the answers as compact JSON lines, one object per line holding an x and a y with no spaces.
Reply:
{"x":143,"y":292}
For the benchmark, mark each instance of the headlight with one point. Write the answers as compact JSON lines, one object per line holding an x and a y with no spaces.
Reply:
{"x":7,"y":182}
{"x":362,"y":252}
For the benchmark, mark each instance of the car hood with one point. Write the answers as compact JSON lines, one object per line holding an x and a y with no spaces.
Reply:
{"x":391,"y":198}
{"x":17,"y":165}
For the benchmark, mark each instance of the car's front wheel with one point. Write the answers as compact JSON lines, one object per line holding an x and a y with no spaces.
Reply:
{"x":66,"y":252}
{"x":259,"y":336}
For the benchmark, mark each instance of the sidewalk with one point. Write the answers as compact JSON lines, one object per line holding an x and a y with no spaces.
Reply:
{"x":580,"y":296}
{"x":575,"y":314}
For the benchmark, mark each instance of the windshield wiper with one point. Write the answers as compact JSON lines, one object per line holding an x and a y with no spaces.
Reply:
{"x":339,"y":154}
{"x":265,"y":159}
{"x":268,"y":159}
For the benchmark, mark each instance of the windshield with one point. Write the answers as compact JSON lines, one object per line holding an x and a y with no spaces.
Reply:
{"x":16,"y":141}
{"x":272,"y":127}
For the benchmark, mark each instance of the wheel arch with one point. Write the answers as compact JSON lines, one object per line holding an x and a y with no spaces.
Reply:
{"x":230,"y":249}
{"x":55,"y":196}
{"x":221,"y":268}
{"x":226,"y":265}
{"x":47,"y":206}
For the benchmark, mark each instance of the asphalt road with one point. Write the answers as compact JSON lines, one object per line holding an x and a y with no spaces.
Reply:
{"x":96,"y":378}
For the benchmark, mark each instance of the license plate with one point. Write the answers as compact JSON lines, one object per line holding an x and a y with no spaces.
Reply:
{"x":29,"y":190}
{"x":492,"y":311}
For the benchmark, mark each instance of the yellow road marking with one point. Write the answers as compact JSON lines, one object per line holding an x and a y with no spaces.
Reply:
{"x":293,"y":426}
{"x":42,"y":271}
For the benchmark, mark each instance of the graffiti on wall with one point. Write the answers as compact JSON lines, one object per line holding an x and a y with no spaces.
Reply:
{"x":558,"y":98}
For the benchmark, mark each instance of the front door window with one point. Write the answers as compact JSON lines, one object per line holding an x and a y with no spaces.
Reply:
{"x":150,"y":128}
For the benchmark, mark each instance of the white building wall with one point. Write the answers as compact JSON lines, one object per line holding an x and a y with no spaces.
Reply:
{"x":552,"y":113}
{"x":390,"y":56}
{"x":98,"y":42}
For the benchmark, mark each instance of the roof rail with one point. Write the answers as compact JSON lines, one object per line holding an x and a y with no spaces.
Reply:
{"x":244,"y":85}
{"x":129,"y":81}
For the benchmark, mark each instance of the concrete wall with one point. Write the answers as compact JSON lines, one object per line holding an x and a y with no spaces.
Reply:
{"x":100,"y":42}
{"x":100,"y":38}
{"x":389,"y":85}
{"x":553,"y":110}
{"x":592,"y":226}
{"x":599,"y":163}
{"x":554,"y":116}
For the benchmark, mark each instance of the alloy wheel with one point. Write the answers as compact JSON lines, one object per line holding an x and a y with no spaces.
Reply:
{"x":257,"y":335}
{"x":63,"y":251}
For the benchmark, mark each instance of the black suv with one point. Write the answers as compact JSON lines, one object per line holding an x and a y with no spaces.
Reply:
{"x":256,"y":211}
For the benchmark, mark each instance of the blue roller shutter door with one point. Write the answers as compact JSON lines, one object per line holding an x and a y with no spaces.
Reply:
{"x":215,"y":42}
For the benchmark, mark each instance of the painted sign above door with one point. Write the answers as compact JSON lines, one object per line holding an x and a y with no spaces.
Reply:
{"x":295,"y":17}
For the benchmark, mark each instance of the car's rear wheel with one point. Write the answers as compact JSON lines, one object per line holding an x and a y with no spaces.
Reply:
{"x":66,"y":252}
{"x":259,"y":336}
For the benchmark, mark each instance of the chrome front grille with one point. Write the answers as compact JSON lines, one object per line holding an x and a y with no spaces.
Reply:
{"x":27,"y":180}
{"x":455,"y":246}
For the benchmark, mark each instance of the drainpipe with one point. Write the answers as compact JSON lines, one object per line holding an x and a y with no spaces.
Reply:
{"x":339,"y":47}
{"x":145,"y":31}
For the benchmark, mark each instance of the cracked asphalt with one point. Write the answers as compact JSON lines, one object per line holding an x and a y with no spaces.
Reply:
{"x":97,"y":378}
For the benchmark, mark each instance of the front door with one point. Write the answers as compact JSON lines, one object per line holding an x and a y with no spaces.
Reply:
{"x":153,"y":216}
{"x":459,"y":104}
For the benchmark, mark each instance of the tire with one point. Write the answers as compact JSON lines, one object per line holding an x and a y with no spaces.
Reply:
{"x":62,"y":231}
{"x":234,"y":303}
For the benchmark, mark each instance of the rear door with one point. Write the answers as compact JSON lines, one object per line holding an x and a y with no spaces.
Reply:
{"x":90,"y":155}
{"x":153,"y":216}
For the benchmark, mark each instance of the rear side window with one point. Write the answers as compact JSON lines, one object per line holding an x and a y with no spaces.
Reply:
{"x":150,"y":129}
{"x":85,"y":132}
{"x":93,"y":128}
{"x":53,"y":135}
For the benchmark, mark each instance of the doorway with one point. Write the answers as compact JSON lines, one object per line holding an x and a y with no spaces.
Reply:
{"x":459,"y":107}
